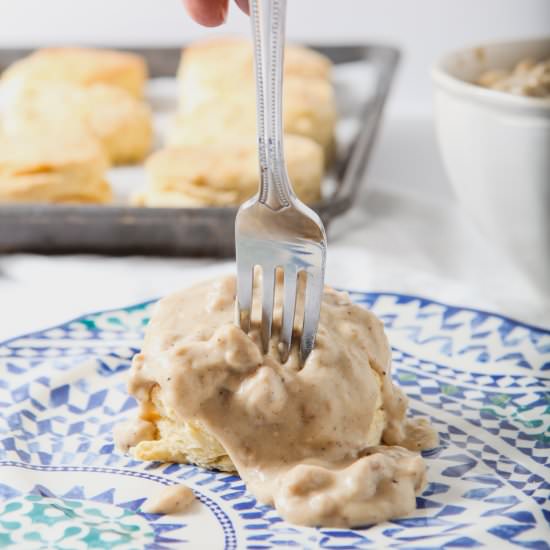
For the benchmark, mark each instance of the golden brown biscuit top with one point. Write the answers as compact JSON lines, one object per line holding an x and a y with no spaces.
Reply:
{"x":231,"y":58}
{"x":81,"y":65}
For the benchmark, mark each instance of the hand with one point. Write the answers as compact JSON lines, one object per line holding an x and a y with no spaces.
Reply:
{"x":211,"y":13}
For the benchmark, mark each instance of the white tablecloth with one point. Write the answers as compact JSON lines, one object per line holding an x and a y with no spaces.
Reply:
{"x":406,"y":234}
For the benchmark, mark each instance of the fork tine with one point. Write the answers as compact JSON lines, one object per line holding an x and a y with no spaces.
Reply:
{"x":268,"y":295}
{"x":289,"y":309}
{"x":312,"y":311}
{"x":245,"y":275}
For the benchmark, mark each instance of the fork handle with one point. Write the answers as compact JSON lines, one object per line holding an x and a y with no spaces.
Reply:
{"x":268,"y":19}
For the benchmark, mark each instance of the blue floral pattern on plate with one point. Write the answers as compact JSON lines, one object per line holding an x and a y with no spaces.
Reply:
{"x":481,"y":378}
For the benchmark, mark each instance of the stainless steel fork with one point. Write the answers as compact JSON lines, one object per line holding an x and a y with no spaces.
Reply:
{"x":275,"y":229}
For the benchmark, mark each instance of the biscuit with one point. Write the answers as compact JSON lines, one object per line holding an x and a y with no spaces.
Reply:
{"x":83,"y":66}
{"x":212,"y":68}
{"x":53,"y":168}
{"x":225,"y":174}
{"x":183,"y":442}
{"x":309,"y":110}
{"x":122,"y":123}
{"x":190,"y":441}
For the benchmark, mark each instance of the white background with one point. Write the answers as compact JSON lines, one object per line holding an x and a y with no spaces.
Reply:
{"x":407,"y":234}
{"x":423,"y":28}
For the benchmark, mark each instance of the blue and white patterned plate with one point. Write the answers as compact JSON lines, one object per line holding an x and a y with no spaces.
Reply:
{"x":482,"y":379}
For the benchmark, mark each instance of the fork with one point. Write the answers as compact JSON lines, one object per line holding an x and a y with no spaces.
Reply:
{"x":274,"y":229}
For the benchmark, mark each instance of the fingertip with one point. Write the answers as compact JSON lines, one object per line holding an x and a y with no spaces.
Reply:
{"x":243,"y":4}
{"x":209,"y":13}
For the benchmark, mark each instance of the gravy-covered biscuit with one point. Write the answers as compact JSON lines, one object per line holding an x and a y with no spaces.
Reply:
{"x":122,"y":123}
{"x":309,"y":111}
{"x":83,"y":66}
{"x":53,"y":168}
{"x":326,"y":441}
{"x":212,"y":68}
{"x":225,"y":174}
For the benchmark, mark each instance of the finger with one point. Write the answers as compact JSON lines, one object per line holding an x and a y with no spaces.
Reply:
{"x":243,"y":4}
{"x":209,"y":13}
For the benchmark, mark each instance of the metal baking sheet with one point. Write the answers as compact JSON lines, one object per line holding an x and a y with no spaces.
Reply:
{"x":121,"y":229}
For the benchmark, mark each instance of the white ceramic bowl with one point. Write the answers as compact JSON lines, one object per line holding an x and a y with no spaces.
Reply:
{"x":496,"y":149}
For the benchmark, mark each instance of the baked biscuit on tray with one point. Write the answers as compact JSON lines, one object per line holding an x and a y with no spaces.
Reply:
{"x":46,"y":167}
{"x":213,"y":68}
{"x":309,"y":110}
{"x":122,"y":123}
{"x":225,"y":174}
{"x":85,"y":66}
